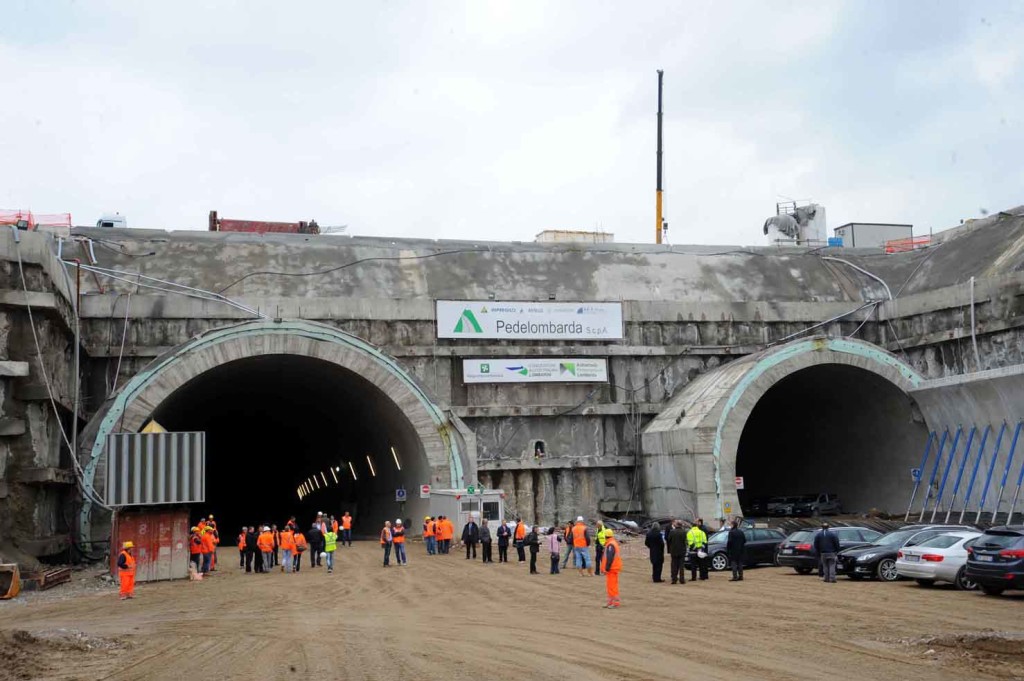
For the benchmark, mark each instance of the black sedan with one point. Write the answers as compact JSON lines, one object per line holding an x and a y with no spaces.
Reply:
{"x":760,"y":547}
{"x":798,"y":552}
{"x":878,"y":559}
{"x":996,"y":560}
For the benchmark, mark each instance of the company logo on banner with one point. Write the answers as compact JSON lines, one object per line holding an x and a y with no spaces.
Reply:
{"x":525,"y":320}
{"x":547,"y":370}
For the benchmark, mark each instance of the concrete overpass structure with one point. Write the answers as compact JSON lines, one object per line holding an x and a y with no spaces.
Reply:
{"x":800,"y":370}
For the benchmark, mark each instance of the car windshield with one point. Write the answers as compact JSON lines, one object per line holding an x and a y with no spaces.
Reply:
{"x":943,"y":541}
{"x":997,"y":541}
{"x":896,"y":538}
{"x":801,"y":536}
{"x":719,"y":537}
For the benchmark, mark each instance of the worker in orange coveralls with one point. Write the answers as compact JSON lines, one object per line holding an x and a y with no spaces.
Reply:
{"x":126,"y":571}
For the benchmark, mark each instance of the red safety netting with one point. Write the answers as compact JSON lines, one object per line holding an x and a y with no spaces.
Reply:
{"x":32,"y":220}
{"x":910,"y":244}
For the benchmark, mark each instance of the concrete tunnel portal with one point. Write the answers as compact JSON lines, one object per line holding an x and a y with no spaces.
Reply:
{"x":287,"y":403}
{"x":831,"y":428}
{"x":274,"y":423}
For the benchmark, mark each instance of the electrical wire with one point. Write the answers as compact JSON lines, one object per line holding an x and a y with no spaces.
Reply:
{"x":124,"y":336}
{"x":79,"y":473}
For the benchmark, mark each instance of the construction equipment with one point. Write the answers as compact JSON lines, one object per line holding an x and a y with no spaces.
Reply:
{"x":10,"y":581}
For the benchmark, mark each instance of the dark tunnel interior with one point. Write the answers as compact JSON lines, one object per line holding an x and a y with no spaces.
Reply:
{"x":276,"y":422}
{"x":832,"y":428}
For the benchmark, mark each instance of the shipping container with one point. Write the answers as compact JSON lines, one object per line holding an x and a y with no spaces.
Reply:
{"x":161,"y":542}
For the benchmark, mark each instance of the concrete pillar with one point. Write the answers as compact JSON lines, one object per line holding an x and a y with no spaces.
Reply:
{"x":566,"y":501}
{"x":591,"y":485}
{"x":545,"y":497}
{"x":525,"y":497}
{"x":507,"y":482}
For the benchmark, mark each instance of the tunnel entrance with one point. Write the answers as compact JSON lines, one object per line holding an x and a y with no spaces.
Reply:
{"x":831,"y":428}
{"x":276,"y":422}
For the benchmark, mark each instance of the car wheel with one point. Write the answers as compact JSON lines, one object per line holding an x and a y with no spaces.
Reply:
{"x":887,"y":570}
{"x":925,"y":582}
{"x":992,"y":590}
{"x":719,"y":562}
{"x":803,"y":570}
{"x":963,"y":583}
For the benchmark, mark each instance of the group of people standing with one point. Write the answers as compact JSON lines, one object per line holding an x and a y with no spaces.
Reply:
{"x":438,"y":534}
{"x":260,"y":549}
{"x":691,"y":546}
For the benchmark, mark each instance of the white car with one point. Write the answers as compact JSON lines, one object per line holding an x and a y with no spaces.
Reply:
{"x":939,"y":559}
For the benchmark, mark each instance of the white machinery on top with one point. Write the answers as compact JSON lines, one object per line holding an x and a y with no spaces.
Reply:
{"x":798,"y":225}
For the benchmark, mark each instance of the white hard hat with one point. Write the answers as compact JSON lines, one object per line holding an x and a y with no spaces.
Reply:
{"x":579,"y":519}
{"x":323,"y":554}
{"x":398,"y":521}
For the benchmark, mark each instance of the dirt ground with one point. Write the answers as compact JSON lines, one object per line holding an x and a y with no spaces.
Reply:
{"x":447,"y":618}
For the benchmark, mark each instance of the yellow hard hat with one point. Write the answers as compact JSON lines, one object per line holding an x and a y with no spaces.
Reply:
{"x":608,"y":532}
{"x":194,"y":529}
{"x":426,"y":517}
{"x":129,"y":545}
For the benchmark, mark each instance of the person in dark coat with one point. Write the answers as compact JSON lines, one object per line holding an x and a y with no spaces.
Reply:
{"x":826,"y":543}
{"x":251,"y":551}
{"x":471,"y":536}
{"x":655,"y":544}
{"x":503,"y":534}
{"x":532,"y":542}
{"x":734,"y":545}
{"x":676,"y":545}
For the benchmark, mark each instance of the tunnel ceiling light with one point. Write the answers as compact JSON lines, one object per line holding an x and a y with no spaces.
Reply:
{"x":370,"y":461}
{"x":335,"y":476}
{"x":353,"y":469}
{"x":324,"y":477}
{"x":395,"y":454}
{"x":317,"y":481}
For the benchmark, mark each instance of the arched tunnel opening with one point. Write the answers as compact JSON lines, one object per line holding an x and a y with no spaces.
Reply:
{"x":835,"y":429}
{"x":277,"y":422}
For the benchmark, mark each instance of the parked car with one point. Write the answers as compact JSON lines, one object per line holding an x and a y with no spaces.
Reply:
{"x":797,"y":551}
{"x":814,"y":505}
{"x":781,"y":506}
{"x":996,"y":559}
{"x":760,"y":548}
{"x":939,"y":559}
{"x":756,"y":507}
{"x":878,"y":559}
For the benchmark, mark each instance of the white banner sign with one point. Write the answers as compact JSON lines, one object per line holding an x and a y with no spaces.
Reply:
{"x":511,"y":320}
{"x":517,"y":370}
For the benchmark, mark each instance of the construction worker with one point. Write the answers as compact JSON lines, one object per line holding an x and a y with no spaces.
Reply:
{"x":287,"y":548}
{"x":241,"y":548}
{"x":277,"y":544}
{"x":612,"y":567}
{"x":697,"y":544}
{"x":398,"y":538}
{"x":567,"y":538}
{"x":386,"y":542}
{"x":265,"y":542}
{"x":440,"y":530}
{"x":519,"y":536}
{"x":195,"y":548}
{"x":429,"y":537}
{"x":301,"y":545}
{"x":216,"y":542}
{"x":334,"y":526}
{"x":581,"y":547}
{"x":598,"y":547}
{"x":126,"y":571}
{"x":346,"y":529}
{"x":208,"y":547}
{"x":330,"y":546}
{"x":315,"y":535}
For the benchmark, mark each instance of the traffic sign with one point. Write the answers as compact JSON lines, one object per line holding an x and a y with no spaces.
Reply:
{"x":470,"y":490}
{"x":727,"y":508}
{"x":400,"y":494}
{"x":739,"y":482}
{"x":424,"y":491}
{"x":915,"y":474}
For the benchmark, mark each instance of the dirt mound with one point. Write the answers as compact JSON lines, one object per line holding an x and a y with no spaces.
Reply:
{"x":998,"y":654}
{"x":32,"y":655}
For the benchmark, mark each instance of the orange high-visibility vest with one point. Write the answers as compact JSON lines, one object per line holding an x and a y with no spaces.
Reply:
{"x":265,"y":541}
{"x":195,"y":544}
{"x":300,"y":542}
{"x":241,"y":542}
{"x":579,"y":536}
{"x":520,"y":531}
{"x":207,"y":542}
{"x":398,"y":535}
{"x":129,"y":561}
{"x":616,"y":565}
{"x":334,"y":526}
{"x":346,"y":522}
{"x":449,"y":529}
{"x":428,"y":529}
{"x":287,"y":541}
{"x":385,"y":536}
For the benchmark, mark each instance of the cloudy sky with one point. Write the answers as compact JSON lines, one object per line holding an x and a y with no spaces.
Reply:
{"x":500,"y":119}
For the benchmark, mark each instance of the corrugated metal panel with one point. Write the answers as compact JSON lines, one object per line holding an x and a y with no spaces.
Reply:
{"x":161,"y":542}
{"x":145,"y":469}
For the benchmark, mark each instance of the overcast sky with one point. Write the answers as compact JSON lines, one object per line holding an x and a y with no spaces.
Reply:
{"x":498,"y":120}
